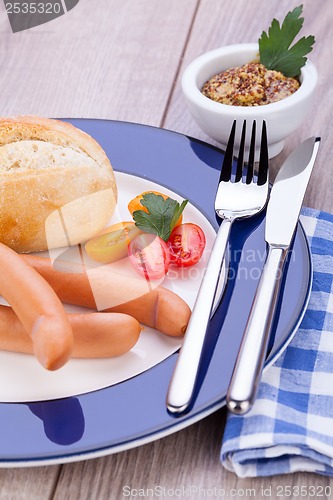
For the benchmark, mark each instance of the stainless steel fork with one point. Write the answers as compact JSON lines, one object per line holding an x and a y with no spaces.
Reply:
{"x":239,"y":194}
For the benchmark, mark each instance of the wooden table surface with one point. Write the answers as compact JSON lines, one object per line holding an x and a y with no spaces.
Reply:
{"x":123,"y":59}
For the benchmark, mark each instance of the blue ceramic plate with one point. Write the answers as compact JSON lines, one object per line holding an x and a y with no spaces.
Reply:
{"x":133,"y":412}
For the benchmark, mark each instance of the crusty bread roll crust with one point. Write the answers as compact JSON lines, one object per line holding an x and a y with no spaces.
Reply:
{"x":50,"y":170}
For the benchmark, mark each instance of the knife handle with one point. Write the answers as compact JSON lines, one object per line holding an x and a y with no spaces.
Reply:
{"x":252,"y":353}
{"x":184,"y":377}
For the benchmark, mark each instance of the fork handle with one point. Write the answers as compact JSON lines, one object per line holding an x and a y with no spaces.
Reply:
{"x":183,"y":380}
{"x":252,"y":353}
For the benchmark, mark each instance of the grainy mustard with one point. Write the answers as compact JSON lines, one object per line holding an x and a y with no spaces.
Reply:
{"x":249,"y":85}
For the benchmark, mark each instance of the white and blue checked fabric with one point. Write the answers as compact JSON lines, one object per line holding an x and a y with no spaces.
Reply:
{"x":290,"y":427}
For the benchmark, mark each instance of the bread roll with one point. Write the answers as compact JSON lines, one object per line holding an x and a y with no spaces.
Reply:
{"x":57,"y":185}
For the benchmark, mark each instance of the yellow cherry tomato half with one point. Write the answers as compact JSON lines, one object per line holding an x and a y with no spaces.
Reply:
{"x":135,"y":204}
{"x":112,"y":243}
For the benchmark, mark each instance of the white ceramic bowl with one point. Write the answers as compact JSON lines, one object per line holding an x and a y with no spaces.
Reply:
{"x":215,"y":119}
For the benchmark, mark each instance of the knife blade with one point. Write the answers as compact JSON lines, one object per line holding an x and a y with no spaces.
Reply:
{"x":282,"y":215}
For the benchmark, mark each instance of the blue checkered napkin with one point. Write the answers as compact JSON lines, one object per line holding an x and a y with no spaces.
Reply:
{"x":290,"y":427}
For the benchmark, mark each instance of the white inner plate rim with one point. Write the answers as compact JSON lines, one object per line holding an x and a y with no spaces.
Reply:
{"x":22,"y":379}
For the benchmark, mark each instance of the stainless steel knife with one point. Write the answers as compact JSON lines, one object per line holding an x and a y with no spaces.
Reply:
{"x":281,"y":220}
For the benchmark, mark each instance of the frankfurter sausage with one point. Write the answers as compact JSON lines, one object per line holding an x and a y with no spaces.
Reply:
{"x":38,"y":308}
{"x":96,"y":335}
{"x":158,"y":308}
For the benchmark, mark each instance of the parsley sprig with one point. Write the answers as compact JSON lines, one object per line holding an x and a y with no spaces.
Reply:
{"x":162,"y":215}
{"x":275,"y":47}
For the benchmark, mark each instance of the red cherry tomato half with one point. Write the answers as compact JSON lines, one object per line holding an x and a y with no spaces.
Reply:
{"x":186,"y":244}
{"x":149,"y":256}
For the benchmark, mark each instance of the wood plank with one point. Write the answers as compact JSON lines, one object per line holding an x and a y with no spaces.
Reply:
{"x":115,"y":61}
{"x":119,"y":61}
{"x":31,"y":483}
{"x":227,"y":22}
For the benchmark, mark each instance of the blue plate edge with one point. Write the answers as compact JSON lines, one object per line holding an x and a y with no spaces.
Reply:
{"x":200,"y":413}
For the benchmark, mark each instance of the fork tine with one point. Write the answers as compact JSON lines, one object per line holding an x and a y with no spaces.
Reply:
{"x":263,"y":160}
{"x":228,"y":157}
{"x":240,"y":161}
{"x":250,"y":165}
